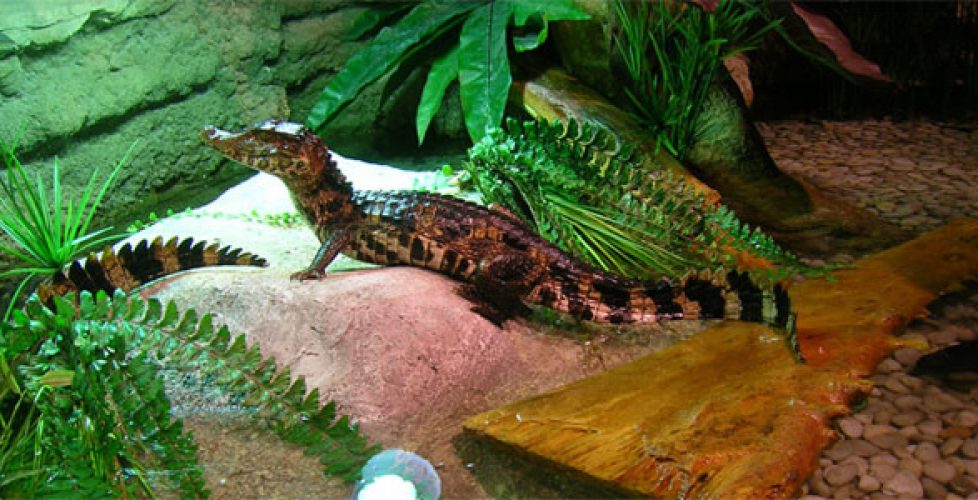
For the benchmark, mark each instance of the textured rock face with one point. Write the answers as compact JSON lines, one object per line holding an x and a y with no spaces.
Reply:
{"x":84,"y":79}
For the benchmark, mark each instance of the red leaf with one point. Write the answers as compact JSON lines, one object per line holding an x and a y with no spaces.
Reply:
{"x":826,"y":32}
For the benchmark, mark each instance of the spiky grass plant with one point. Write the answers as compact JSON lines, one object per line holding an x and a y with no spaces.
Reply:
{"x":671,"y":52}
{"x":48,"y":232}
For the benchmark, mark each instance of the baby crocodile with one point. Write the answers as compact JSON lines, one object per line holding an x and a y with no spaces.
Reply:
{"x":496,"y":252}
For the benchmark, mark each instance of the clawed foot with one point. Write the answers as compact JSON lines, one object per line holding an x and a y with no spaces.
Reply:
{"x":307,"y":274}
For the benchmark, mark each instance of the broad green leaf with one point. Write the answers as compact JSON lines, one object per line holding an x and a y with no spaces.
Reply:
{"x":533,"y":37}
{"x":552,"y":10}
{"x":370,"y":18}
{"x":483,"y":67}
{"x":383,"y":53}
{"x":443,"y":71}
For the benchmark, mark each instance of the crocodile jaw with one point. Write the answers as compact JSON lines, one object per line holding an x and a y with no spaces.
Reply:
{"x":284,"y":149}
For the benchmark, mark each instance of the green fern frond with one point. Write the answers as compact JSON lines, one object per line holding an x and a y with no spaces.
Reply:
{"x":583,"y":189}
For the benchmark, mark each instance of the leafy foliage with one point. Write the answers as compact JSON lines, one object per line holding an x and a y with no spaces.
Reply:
{"x":581,"y":189}
{"x":102,"y":416}
{"x":671,"y":52}
{"x":478,"y":60}
{"x":48,"y":233}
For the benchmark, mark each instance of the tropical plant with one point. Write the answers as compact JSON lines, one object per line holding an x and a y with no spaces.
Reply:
{"x":581,"y":189}
{"x":48,"y":233}
{"x":99,"y":421}
{"x":464,"y":41}
{"x":671,"y":52}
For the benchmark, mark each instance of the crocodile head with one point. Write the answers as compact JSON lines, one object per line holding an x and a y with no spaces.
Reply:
{"x":287,"y":150}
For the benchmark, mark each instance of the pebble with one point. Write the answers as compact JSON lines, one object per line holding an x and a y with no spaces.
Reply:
{"x":951,"y":446}
{"x":868,"y":483}
{"x":850,"y":427}
{"x":970,"y":448}
{"x":907,"y":419}
{"x":883,"y":471}
{"x":905,"y":484}
{"x":907,"y":356}
{"x":907,"y":402}
{"x":941,"y":402}
{"x":963,"y":485}
{"x":966,"y":418}
{"x":939,"y":470}
{"x":911,"y":464}
{"x":890,"y":440}
{"x":933,"y":489}
{"x":930,"y":427}
{"x":926,"y":452}
{"x":840,"y":474}
{"x":889,"y":365}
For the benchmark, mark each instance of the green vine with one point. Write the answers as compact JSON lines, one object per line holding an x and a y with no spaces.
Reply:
{"x":100,"y":419}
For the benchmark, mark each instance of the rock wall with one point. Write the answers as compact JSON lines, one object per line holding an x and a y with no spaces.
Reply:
{"x":84,"y":79}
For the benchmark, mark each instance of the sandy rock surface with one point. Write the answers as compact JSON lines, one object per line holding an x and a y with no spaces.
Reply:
{"x":397,"y":349}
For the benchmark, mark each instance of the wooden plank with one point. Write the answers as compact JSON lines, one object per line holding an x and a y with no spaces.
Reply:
{"x":728,"y":413}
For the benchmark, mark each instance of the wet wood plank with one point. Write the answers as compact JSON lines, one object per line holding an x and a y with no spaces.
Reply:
{"x":728,"y":413}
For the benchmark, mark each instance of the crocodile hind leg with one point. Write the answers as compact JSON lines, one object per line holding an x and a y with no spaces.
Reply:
{"x":332,"y":244}
{"x":500,"y":284}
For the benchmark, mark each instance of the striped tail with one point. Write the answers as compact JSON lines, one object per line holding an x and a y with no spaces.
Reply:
{"x":130,"y":267}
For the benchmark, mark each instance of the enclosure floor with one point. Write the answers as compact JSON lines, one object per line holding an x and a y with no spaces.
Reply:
{"x":916,"y":174}
{"x":919,"y":175}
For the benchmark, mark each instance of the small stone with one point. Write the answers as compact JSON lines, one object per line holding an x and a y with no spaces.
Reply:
{"x":907,"y":419}
{"x":933,"y":489}
{"x":893,"y":384}
{"x":883,"y":458}
{"x":889,"y":365}
{"x":951,"y":446}
{"x":864,"y":448}
{"x":963,"y":485}
{"x":840,"y":450}
{"x":904,"y":483}
{"x":926,"y":452}
{"x":883,"y":417}
{"x":867,"y":418}
{"x":851,"y":427}
{"x":883,"y":471}
{"x":943,"y":336}
{"x":840,"y":474}
{"x":889,"y":440}
{"x":966,"y":418}
{"x":868,"y":483}
{"x":874,"y":430}
{"x":957,"y":431}
{"x":939,"y":470}
{"x":941,"y":401}
{"x":844,"y":492}
{"x":907,"y":402}
{"x":818,"y":484}
{"x":930,"y":427}
{"x":862,"y":465}
{"x":971,"y":467}
{"x":970,"y":448}
{"x":911,"y":464}
{"x":907,"y":356}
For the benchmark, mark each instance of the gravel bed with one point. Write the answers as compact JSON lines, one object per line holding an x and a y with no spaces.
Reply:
{"x":913,"y":437}
{"x":916,"y":174}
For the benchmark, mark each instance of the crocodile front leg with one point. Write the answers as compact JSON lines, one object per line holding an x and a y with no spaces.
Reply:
{"x":331,"y":247}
